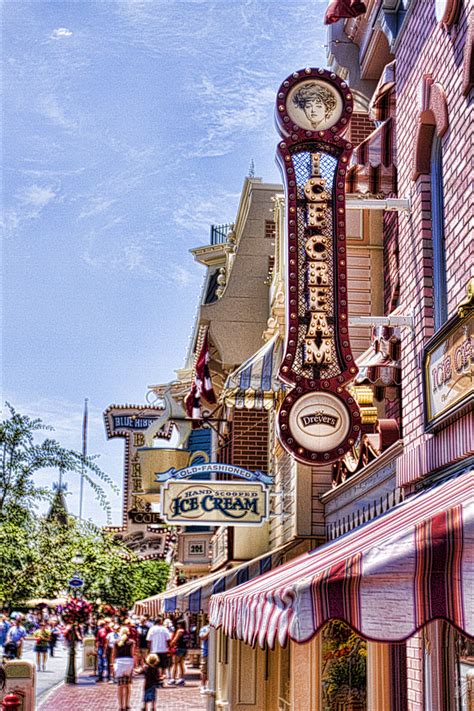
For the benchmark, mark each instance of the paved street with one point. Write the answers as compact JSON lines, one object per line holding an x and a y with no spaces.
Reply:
{"x":87,"y":695}
{"x":55,"y":667}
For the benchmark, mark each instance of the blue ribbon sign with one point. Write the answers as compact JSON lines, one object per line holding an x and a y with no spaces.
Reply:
{"x":214,"y":468}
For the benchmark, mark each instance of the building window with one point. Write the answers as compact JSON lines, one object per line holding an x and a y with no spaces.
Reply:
{"x":392,"y":17}
{"x":270,"y":229}
{"x":344,"y":673}
{"x":440,"y":297}
{"x":211,"y":289}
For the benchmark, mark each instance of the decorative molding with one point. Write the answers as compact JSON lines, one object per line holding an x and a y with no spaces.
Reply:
{"x":370,"y":448}
{"x":433,"y":117}
{"x":468,"y":57}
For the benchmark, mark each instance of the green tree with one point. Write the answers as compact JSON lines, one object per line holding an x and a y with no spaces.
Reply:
{"x":36,"y":554}
{"x":22,"y":455}
{"x":18,"y":561}
{"x":150,"y":578}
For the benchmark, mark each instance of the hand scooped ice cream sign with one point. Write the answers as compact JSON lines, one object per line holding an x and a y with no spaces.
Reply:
{"x":318,"y":420}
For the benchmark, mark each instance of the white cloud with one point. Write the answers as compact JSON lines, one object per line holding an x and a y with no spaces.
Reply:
{"x":110,"y":250}
{"x":38,"y":196}
{"x":182,"y":276}
{"x":50,"y":108}
{"x":232,"y":110}
{"x":31,"y":201}
{"x":220,"y":208}
{"x":97,"y":206}
{"x":60,"y":32}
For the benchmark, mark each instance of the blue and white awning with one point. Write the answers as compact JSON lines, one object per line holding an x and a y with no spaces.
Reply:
{"x":195,"y":595}
{"x":255,"y":384}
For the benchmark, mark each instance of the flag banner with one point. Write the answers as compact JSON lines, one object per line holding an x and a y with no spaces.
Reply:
{"x":202,"y":384}
{"x":340,"y":9}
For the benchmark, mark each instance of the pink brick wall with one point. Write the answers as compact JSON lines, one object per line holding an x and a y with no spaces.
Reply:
{"x":414,"y":649}
{"x":428,"y":48}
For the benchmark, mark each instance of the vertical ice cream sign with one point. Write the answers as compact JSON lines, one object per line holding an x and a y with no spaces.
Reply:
{"x":318,"y":420}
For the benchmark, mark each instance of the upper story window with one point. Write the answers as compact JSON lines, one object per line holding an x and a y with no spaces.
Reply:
{"x":211,"y":290}
{"x":392,"y":17}
{"x":440,"y":300}
{"x":270,"y":229}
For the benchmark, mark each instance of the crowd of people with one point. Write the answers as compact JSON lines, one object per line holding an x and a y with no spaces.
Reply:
{"x":156,"y":649}
{"x":125,"y":648}
{"x":45,"y":628}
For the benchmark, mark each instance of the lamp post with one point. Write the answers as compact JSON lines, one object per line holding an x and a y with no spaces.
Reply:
{"x":75,"y":585}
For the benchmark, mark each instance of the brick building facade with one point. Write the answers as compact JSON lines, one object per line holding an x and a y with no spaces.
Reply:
{"x":409,"y":257}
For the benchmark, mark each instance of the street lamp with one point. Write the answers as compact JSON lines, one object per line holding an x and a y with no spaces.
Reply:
{"x":75,"y":585}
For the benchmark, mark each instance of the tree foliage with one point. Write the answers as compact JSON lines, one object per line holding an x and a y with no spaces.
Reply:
{"x":22,"y":455}
{"x":37,"y":562}
{"x":36,"y":553}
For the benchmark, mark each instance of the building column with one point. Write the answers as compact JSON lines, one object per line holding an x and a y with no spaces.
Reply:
{"x":211,"y":668}
{"x":440,"y":667}
{"x":305,"y":671}
{"x":378,"y":677}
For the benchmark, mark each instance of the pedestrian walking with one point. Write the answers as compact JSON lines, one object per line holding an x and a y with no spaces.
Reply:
{"x":16,"y":634}
{"x":158,"y":639}
{"x":101,"y":648}
{"x":123,"y":666}
{"x":54,"y":636}
{"x":42,"y":636}
{"x":179,"y":649}
{"x":142,"y":647}
{"x":152,"y":681}
{"x":112,"y":638}
{"x":4,"y":627}
{"x":204,"y":639}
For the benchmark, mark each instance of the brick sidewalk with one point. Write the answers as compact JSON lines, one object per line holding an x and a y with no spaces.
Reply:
{"x":87,"y":695}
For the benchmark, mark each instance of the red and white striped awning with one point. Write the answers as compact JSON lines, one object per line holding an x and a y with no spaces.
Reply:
{"x":374,"y":162}
{"x":386,"y":579}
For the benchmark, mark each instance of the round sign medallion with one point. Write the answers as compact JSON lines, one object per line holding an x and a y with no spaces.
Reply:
{"x":319,"y":421}
{"x":314,"y":105}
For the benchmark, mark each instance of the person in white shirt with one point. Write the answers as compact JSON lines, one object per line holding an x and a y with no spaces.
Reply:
{"x":112,"y":637}
{"x":157,"y":638}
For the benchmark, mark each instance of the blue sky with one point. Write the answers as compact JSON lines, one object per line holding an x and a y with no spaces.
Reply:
{"x":128,"y":130}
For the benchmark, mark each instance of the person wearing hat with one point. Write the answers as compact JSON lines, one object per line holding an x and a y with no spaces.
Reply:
{"x":152,"y":676}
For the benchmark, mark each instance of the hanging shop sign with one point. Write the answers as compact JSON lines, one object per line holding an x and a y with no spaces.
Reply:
{"x":449,"y":371}
{"x":132,"y":422}
{"x":318,"y":421}
{"x":148,"y":517}
{"x":214,"y":503}
{"x":211,"y":468}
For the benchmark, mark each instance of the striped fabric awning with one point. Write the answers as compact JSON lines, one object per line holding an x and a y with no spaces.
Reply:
{"x":255,"y":384}
{"x":386,"y":579}
{"x":195,"y":595}
{"x":374,"y":163}
{"x":382,"y":103}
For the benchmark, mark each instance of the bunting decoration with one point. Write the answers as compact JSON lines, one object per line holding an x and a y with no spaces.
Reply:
{"x":339,"y":9}
{"x":202,"y":384}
